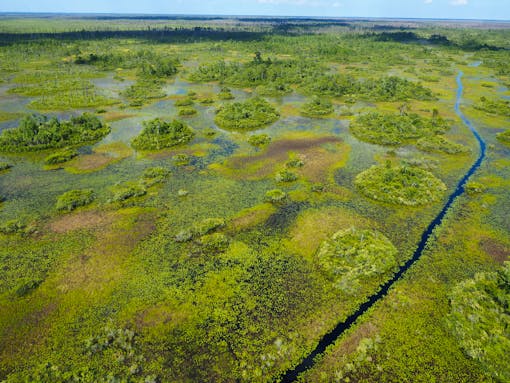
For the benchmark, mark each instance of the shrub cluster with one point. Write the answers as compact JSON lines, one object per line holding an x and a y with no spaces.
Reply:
{"x":158,"y":134}
{"x":249,"y":115}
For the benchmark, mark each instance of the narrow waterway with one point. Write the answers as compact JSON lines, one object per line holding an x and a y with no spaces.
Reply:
{"x":331,"y":337}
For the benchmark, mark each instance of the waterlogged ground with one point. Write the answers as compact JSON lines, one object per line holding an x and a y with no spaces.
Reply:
{"x":250,"y":305}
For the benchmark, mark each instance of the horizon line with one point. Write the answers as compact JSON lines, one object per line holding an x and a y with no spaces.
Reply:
{"x":226,"y":16}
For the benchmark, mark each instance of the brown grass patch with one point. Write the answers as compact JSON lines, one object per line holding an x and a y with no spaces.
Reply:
{"x":82,"y":220}
{"x":316,"y":225}
{"x":497,"y":250}
{"x":259,"y":166}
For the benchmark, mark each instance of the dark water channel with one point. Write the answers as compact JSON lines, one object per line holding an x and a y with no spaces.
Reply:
{"x":331,"y":337}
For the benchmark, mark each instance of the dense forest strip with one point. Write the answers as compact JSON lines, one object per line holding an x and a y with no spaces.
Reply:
{"x":331,"y":337}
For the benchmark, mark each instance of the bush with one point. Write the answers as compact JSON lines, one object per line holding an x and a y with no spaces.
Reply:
{"x":317,"y":107}
{"x":273,"y":89}
{"x":394,"y":130}
{"x":125,"y":192}
{"x":27,"y":286}
{"x":60,"y":157}
{"x":285,"y":176}
{"x":200,"y":229}
{"x":37,"y":132}
{"x":295,"y":163}
{"x":400,"y":185}
{"x":352,"y":255}
{"x":249,"y":115}
{"x":74,"y":199}
{"x":158,"y":134}
{"x":276,"y":196}
{"x":4,"y":166}
{"x":440,"y":144}
{"x":12,"y":227}
{"x":504,"y":136}
{"x":225,"y":94}
{"x":187,"y":101}
{"x":259,"y":140}
{"x":187,"y":112}
{"x":474,"y":188}
{"x":155,"y":175}
{"x":181,"y":159}
{"x":214,"y":243}
{"x":480,"y":318}
{"x":495,"y":106}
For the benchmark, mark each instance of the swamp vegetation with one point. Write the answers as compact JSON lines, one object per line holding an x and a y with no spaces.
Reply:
{"x":202,"y":200}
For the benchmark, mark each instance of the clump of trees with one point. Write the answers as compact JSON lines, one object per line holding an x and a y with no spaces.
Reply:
{"x":61,"y":156}
{"x":187,"y":111}
{"x":480,"y":319}
{"x":317,"y":107}
{"x":494,"y":106}
{"x":396,"y":129}
{"x":400,"y":185}
{"x":259,"y":140}
{"x":74,"y":198}
{"x":152,"y":176}
{"x":440,"y":144}
{"x":276,"y":196}
{"x":354,"y":255}
{"x":38,"y":132}
{"x":124,"y":192}
{"x":251,"y":114}
{"x":144,"y":90}
{"x":158,"y":134}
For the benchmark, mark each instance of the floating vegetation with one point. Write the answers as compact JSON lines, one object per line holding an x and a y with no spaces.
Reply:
{"x":354,"y":255}
{"x":152,"y":176}
{"x":37,"y":132}
{"x":127,"y":191}
{"x":186,"y":112}
{"x":400,"y":185}
{"x":75,"y":198}
{"x":252,"y":114}
{"x":144,"y":91}
{"x":158,"y":134}
{"x":199,"y":229}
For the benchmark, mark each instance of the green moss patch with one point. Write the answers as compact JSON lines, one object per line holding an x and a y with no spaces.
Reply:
{"x":440,"y":144}
{"x":74,"y":199}
{"x":353,"y":255}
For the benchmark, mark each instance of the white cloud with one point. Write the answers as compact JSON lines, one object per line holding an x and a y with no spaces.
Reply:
{"x":459,"y":2}
{"x":428,"y":1}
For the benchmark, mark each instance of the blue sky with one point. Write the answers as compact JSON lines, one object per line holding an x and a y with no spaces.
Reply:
{"x":459,"y":9}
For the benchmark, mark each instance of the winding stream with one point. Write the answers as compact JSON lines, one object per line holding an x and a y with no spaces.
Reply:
{"x":331,"y":337}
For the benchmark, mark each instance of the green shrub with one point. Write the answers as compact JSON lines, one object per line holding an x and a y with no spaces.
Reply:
{"x":26,"y":286}
{"x":252,"y":114}
{"x":12,"y":227}
{"x":214,"y":243}
{"x":225,"y":94}
{"x":440,"y":144}
{"x":186,"y":101}
{"x":143,"y":91}
{"x":60,"y":157}
{"x":206,"y":101}
{"x":317,"y":107}
{"x":394,"y":129}
{"x":473,"y":188}
{"x":400,"y":185}
{"x":155,"y":175}
{"x":285,"y":176}
{"x":75,"y":198}
{"x":181,"y":159}
{"x":259,"y":140}
{"x":480,"y":318}
{"x":295,"y":163}
{"x":200,"y":229}
{"x":353,"y":255}
{"x":158,"y":134}
{"x":4,"y":166}
{"x":273,"y":89}
{"x":504,"y":136}
{"x":275,"y":196}
{"x":187,"y":112}
{"x":494,"y":106}
{"x":122,"y":193}
{"x":37,"y":132}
